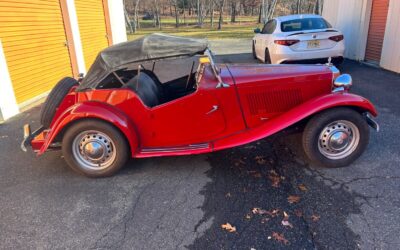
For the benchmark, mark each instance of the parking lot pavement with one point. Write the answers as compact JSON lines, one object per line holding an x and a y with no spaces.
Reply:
{"x":181,"y":202}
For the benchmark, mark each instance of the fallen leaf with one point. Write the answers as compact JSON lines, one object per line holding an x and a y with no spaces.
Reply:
{"x":298,"y":212}
{"x":255,"y":174}
{"x":228,"y":227}
{"x":248,"y":216}
{"x":315,"y":217}
{"x":280,"y":238}
{"x":263,"y":220}
{"x":287,"y":224}
{"x":260,"y":160}
{"x":285,"y":221}
{"x":257,"y":210}
{"x":303,"y":187}
{"x":274,"y":178}
{"x":228,"y":195}
{"x":293,"y":199}
{"x":238,"y":162}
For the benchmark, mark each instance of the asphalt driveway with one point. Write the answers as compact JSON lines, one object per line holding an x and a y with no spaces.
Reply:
{"x":181,"y":202}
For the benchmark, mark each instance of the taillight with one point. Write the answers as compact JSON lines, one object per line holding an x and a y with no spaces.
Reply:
{"x":286,"y":42}
{"x":337,"y":38}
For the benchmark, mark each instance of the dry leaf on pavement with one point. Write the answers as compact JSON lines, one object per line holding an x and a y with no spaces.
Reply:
{"x":228,"y":227}
{"x":260,"y":159}
{"x":274,"y":178}
{"x":315,"y":217}
{"x":285,"y":221}
{"x":280,"y":238}
{"x":298,"y":212}
{"x":303,"y":187}
{"x":293,"y":199}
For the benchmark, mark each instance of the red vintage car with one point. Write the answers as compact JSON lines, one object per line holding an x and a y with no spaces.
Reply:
{"x":122,"y":109}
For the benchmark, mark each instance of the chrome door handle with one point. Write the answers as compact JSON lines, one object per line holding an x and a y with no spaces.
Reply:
{"x":214,"y":108}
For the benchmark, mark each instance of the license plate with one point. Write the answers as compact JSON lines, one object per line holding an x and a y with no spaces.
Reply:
{"x":313,"y":44}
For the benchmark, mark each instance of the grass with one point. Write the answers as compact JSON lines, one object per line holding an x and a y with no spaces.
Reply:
{"x":242,"y":29}
{"x":229,"y":31}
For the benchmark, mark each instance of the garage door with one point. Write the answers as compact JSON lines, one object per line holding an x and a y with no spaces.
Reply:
{"x":92,"y":28}
{"x":376,"y":31}
{"x":34,"y":42}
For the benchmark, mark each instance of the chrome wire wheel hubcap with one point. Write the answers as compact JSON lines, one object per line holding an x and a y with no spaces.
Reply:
{"x":93,"y":150}
{"x":338,"y":140}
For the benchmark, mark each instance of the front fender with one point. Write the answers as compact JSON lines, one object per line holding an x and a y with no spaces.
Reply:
{"x":95,"y":110}
{"x":295,"y":115}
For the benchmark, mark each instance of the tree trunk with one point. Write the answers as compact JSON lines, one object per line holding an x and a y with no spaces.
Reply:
{"x":221,"y":13}
{"x":176,"y":14}
{"x":212,"y":13}
{"x":271,"y":10}
{"x":233,"y":12}
{"x":298,"y":6}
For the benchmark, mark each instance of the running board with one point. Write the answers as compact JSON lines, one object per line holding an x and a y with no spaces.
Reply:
{"x":178,"y":150}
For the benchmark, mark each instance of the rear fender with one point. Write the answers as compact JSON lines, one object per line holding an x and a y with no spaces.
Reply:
{"x":96,"y":110}
{"x":295,"y":115}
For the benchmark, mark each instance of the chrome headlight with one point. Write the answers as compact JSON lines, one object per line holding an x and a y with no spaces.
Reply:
{"x":342,"y":82}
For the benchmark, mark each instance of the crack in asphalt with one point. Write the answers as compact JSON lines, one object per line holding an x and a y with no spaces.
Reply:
{"x":128,"y":217}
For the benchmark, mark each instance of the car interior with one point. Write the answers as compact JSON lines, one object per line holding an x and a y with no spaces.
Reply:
{"x":144,"y":80}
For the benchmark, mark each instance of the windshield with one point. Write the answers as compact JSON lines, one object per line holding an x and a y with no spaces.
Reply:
{"x":305,"y":24}
{"x":214,"y":66}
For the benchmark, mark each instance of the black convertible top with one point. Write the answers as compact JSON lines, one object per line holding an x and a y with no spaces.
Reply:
{"x":149,"y":48}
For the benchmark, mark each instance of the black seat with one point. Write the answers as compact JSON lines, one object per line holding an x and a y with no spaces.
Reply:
{"x":146,"y":88}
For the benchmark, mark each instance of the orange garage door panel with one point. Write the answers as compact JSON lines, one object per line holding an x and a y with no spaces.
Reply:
{"x":33,"y":37}
{"x":376,"y":31}
{"x":92,"y":28}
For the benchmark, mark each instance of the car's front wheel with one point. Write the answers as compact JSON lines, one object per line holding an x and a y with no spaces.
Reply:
{"x":336,"y":137}
{"x":94,"y":148}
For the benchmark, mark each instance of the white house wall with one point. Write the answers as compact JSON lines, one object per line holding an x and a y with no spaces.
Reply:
{"x":391,"y":43}
{"x":352,"y":18}
{"x":117,"y":20}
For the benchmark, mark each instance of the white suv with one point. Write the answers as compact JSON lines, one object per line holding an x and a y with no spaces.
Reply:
{"x":298,"y":39}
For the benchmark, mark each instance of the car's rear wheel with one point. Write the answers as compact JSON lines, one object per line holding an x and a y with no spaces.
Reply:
{"x":54,"y":99}
{"x":94,"y":148}
{"x":267,"y":59}
{"x":336,"y":137}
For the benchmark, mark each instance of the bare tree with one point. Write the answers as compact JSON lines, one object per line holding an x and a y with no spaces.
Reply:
{"x":212,"y":13}
{"x":221,"y":4}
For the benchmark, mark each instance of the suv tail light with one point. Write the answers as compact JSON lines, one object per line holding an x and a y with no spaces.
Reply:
{"x":286,"y":42}
{"x":337,"y":38}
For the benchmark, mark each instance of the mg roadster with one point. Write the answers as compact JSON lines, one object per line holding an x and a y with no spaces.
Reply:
{"x":165,"y":96}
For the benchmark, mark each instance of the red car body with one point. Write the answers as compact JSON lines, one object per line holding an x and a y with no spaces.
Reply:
{"x":118,"y":110}
{"x":260,"y":101}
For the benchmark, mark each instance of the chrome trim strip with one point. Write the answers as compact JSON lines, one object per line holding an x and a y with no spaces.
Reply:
{"x":176,"y":149}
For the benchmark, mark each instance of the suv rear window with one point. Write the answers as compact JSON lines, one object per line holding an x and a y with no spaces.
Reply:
{"x":305,"y":24}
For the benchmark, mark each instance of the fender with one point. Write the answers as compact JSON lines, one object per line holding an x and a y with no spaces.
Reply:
{"x":294,"y":115}
{"x":98,"y":110}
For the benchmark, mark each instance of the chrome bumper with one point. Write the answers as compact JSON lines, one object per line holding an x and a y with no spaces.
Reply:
{"x":371,"y":122}
{"x":28,"y":136}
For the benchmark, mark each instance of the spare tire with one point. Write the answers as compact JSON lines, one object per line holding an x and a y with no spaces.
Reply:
{"x":54,"y":99}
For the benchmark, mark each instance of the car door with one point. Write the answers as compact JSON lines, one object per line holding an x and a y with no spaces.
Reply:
{"x":264,"y":38}
{"x":192,"y":119}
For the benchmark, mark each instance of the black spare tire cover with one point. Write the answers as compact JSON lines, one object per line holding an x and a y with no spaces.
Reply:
{"x":54,"y":99}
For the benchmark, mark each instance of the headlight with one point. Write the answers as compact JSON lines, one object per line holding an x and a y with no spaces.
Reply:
{"x":342,"y":82}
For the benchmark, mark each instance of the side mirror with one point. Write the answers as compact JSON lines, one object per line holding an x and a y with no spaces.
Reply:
{"x":257,"y":30}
